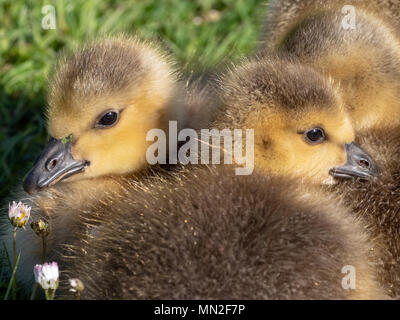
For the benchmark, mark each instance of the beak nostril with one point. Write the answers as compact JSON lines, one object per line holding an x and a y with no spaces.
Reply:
{"x":364,"y":163}
{"x":51,"y":164}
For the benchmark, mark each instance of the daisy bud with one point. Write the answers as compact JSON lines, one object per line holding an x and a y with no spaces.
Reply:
{"x":18,"y":214}
{"x":41,"y":228}
{"x":76,"y":285}
{"x":46,"y":275}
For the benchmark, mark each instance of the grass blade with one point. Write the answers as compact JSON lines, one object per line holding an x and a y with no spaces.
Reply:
{"x":8,"y":257}
{"x":12,"y":278}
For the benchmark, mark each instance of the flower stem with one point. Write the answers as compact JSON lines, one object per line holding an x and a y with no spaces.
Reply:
{"x":50,"y":294}
{"x":14,"y":286}
{"x":14,"y":247}
{"x":44,"y":246}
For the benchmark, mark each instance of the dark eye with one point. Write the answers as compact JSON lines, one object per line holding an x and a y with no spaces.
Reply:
{"x":314,"y":136}
{"x":108,"y":119}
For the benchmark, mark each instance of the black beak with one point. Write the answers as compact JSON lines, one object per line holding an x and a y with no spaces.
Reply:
{"x":54,"y":164}
{"x":359,"y":164}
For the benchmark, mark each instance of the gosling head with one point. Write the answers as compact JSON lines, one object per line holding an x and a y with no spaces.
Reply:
{"x":365,"y":60}
{"x":103,"y":99}
{"x":301,"y":127}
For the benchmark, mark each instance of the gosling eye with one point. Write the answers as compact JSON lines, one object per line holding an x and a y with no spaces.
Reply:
{"x":108,"y":119}
{"x":315,"y":136}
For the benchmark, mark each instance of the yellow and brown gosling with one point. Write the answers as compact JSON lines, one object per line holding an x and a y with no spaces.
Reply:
{"x":376,"y":203}
{"x":210,"y":234}
{"x":366,"y":62}
{"x":103,"y":99}
{"x":364,"y":58}
{"x":301,"y":126}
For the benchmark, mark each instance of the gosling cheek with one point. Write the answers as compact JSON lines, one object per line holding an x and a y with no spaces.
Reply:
{"x":341,"y":156}
{"x":75,"y":151}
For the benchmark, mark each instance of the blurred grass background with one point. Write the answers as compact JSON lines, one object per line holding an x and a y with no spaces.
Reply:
{"x":199,"y":34}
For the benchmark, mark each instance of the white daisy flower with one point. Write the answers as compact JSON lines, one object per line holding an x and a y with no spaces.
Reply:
{"x":47,"y":275}
{"x":18,"y":214}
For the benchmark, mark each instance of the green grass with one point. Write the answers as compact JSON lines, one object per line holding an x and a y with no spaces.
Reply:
{"x":27,"y":53}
